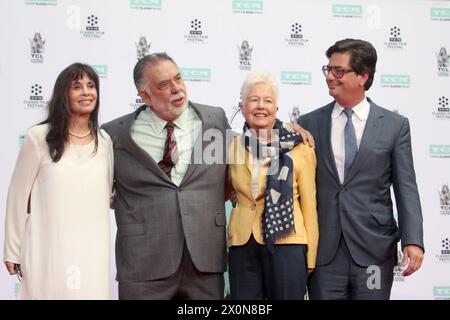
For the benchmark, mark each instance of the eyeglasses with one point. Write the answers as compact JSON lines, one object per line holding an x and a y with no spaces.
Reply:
{"x":337,"y":72}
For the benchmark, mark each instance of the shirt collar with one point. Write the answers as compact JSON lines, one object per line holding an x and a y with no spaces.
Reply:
{"x":182,"y":121}
{"x":361,"y":110}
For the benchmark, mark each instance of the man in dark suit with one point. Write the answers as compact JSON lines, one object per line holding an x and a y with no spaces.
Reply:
{"x":169,"y":205}
{"x":362,"y":150}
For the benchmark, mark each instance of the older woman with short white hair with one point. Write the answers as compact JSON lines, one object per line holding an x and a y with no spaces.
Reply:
{"x":273,"y":230}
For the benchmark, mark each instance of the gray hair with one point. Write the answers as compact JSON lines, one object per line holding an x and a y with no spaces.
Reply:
{"x":259,"y":76}
{"x":146,"y":61}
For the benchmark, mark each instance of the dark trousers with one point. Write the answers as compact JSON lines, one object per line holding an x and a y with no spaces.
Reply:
{"x":343,"y":279}
{"x":186,"y":283}
{"x":256,"y":273}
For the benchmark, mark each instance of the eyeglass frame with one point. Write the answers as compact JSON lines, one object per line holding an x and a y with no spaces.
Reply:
{"x":342,"y":73}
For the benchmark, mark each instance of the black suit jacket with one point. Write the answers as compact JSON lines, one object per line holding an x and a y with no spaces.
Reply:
{"x":360,"y":208}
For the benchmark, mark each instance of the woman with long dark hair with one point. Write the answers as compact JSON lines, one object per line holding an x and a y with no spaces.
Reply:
{"x":57,"y":236}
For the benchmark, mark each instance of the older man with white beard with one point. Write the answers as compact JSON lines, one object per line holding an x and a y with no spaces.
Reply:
{"x":169,"y":210}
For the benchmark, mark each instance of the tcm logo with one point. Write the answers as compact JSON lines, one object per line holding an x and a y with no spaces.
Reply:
{"x":394,"y":39}
{"x":395,"y":35}
{"x":21,"y":139}
{"x":443,"y":104}
{"x":296,"y":37}
{"x":440,"y":151}
{"x":196,"y":27}
{"x":296,"y":31}
{"x":196,"y":33}
{"x":92,"y":23}
{"x":92,"y":29}
{"x":35,"y":100}
{"x":248,"y":6}
{"x":441,"y":292}
{"x":36,"y":91}
{"x":101,"y":69}
{"x":444,"y":254}
{"x":137,"y":102}
{"x":445,"y":246}
{"x":395,"y":80}
{"x":296,"y":77}
{"x":145,"y":4}
{"x":347,"y":10}
{"x":443,"y":110}
{"x":42,"y":2}
{"x":440,"y":14}
{"x":196,"y":74}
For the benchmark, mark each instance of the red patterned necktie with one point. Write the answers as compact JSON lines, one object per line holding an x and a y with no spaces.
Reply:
{"x":170,"y":156}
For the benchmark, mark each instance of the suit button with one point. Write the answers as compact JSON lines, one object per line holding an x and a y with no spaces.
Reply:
{"x":253,"y":206}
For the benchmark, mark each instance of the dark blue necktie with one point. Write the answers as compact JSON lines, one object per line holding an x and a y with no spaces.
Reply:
{"x":351,"y":148}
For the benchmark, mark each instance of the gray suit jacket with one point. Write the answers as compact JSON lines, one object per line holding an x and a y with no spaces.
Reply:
{"x":361,"y":207}
{"x":155,"y":217}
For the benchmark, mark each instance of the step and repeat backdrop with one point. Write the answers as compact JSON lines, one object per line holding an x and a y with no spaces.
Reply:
{"x":216,"y":43}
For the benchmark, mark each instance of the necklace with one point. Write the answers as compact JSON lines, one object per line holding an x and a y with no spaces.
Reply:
{"x":84,"y":135}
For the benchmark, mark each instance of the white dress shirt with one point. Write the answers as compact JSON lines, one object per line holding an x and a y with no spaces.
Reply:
{"x":338,"y":121}
{"x":149,"y":133}
{"x":256,"y":169}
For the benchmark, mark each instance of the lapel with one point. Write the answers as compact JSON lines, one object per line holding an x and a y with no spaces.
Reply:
{"x":370,"y":135}
{"x":325,"y":147}
{"x":127,"y":143}
{"x":199,"y":144}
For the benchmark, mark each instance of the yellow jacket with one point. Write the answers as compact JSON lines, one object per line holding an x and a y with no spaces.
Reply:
{"x":246,"y":217}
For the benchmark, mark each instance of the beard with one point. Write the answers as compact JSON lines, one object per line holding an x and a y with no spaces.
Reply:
{"x":167,"y":110}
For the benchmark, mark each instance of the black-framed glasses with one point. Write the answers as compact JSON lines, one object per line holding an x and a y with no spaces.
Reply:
{"x":337,"y":72}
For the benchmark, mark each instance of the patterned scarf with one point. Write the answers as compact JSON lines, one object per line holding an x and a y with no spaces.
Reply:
{"x":278,"y":216}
